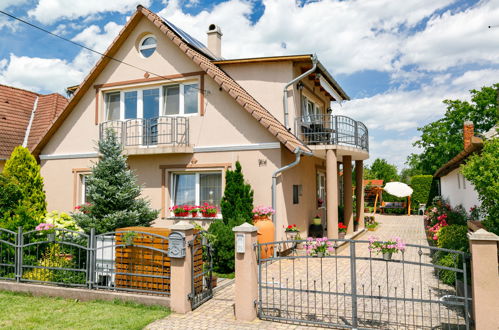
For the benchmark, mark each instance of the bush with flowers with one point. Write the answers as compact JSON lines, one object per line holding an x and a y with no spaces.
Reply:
{"x":319,"y":246}
{"x":341,"y":227}
{"x":291,"y":229}
{"x":180,"y":210}
{"x":392,"y":246}
{"x":260,"y":212}
{"x":61,"y":220}
{"x":209,"y":211}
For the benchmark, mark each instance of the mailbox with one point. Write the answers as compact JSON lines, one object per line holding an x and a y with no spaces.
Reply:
{"x":176,"y":245}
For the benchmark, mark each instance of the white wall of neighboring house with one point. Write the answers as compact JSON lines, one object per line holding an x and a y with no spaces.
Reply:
{"x":457,"y":190}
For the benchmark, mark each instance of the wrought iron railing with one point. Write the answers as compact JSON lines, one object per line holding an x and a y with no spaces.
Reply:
{"x":157,"y":131}
{"x":329,"y":129}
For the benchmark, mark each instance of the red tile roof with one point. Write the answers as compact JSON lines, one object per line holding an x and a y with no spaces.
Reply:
{"x":377,"y":183}
{"x":16,"y":106}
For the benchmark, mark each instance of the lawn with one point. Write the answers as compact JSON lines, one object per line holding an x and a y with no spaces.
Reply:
{"x":23,"y":311}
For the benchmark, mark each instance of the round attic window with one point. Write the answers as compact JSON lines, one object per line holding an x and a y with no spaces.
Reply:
{"x":147,"y":46}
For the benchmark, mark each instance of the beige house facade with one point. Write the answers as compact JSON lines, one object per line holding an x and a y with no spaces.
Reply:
{"x":185,"y":115}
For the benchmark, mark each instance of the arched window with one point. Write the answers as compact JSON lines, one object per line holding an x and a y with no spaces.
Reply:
{"x":147,"y":46}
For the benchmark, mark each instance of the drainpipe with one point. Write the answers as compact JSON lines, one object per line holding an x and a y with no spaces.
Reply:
{"x":298,"y":152}
{"x":285,"y":95}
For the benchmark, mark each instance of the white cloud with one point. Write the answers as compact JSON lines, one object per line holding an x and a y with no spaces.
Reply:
{"x":354,"y":35}
{"x":50,"y":11}
{"x":455,"y":38}
{"x":38,"y":74}
{"x":4,"y":20}
{"x":395,"y":151}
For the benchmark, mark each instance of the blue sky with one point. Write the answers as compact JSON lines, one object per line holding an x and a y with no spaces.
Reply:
{"x":396,"y":59}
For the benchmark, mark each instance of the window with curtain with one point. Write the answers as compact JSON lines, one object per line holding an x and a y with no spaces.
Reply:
{"x":197,"y":188}
{"x":113,"y":106}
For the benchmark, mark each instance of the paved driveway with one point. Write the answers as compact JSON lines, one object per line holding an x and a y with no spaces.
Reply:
{"x":314,"y":289}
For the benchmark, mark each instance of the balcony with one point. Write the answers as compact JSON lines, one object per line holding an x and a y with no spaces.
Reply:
{"x":152,"y":135}
{"x":332,"y":130}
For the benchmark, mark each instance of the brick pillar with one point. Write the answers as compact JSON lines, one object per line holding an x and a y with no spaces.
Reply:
{"x":347,"y":193}
{"x":246,"y":289}
{"x":181,"y":272}
{"x":332,"y":193}
{"x":359,"y":192}
{"x":485,"y":279}
{"x":468,"y":133}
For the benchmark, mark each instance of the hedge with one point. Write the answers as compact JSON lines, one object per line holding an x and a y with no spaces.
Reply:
{"x":421,"y":184}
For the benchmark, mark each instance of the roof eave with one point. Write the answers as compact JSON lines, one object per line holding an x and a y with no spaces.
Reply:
{"x":475,"y":146}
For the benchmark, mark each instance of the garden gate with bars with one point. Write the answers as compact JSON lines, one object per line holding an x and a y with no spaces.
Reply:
{"x":131,"y":260}
{"x":354,"y":288}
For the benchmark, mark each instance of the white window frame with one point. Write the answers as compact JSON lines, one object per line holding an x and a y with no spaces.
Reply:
{"x":197,"y":189}
{"x":140,"y":104}
{"x":155,"y":46}
{"x":316,"y":109}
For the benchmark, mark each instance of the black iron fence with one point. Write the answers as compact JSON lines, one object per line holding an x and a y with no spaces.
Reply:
{"x":163,"y":130}
{"x":334,"y":130}
{"x":352,"y":287}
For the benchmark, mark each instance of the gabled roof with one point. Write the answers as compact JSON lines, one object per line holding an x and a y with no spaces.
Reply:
{"x":262,"y":115}
{"x":16,"y":108}
{"x":476,"y":145}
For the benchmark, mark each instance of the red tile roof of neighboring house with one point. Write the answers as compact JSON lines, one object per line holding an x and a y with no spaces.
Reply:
{"x":257,"y":111}
{"x":476,"y":145}
{"x":16,"y":107}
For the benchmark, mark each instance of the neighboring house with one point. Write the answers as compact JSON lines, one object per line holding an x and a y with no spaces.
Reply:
{"x":25,"y":117}
{"x":193,"y":114}
{"x":453,"y":185}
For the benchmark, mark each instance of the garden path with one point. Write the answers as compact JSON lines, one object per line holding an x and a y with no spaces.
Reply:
{"x":218,"y":313}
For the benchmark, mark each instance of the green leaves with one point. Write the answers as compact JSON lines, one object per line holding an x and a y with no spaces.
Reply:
{"x":442,"y":139}
{"x":382,"y":170}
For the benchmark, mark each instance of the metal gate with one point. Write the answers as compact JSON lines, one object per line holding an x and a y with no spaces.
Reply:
{"x":202,"y":269}
{"x":353,"y":287}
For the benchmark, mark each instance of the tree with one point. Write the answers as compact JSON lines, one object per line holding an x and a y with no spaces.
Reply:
{"x":382,"y":170}
{"x":27,"y":205}
{"x":238,"y":196}
{"x":441,"y":140}
{"x":483,"y":171}
{"x":113,"y":193}
{"x":236,"y":205}
{"x":23,"y":168}
{"x":406,"y":174}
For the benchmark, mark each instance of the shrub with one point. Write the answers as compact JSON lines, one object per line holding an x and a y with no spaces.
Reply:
{"x":454,"y":237}
{"x":224,"y":245}
{"x":113,"y":193}
{"x":25,"y":205}
{"x":61,"y":220}
{"x":448,"y":260}
{"x":238,"y":196}
{"x":457,"y":216}
{"x":421,"y":185}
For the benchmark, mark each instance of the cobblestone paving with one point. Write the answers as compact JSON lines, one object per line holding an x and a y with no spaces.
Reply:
{"x":327,"y":279}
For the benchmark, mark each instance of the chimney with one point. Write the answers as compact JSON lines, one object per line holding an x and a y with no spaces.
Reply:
{"x":215,"y":40}
{"x":468,"y":133}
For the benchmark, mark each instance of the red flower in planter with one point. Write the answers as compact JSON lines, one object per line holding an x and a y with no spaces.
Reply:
{"x":341,"y":227}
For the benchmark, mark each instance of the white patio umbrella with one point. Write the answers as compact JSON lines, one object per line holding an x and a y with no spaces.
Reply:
{"x":398,"y":189}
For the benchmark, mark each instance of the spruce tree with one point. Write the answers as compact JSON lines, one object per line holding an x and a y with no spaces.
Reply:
{"x":113,"y":193}
{"x":22,"y":170}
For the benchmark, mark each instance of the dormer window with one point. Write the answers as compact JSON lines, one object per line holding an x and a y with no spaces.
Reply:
{"x":147,"y":46}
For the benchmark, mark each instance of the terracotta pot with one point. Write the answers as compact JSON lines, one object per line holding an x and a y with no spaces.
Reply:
{"x":266,"y":231}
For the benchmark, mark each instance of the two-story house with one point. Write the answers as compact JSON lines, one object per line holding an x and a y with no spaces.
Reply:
{"x":185,"y":115}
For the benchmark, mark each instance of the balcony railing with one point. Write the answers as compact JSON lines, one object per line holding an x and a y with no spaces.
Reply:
{"x":332,"y":130}
{"x":159,"y":131}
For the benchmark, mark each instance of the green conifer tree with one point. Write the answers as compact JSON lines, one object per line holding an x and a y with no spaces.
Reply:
{"x":113,"y":193}
{"x":22,"y":169}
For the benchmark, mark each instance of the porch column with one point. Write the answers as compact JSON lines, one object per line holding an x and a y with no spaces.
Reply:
{"x":347,"y":193}
{"x":359,"y":192}
{"x":332,"y":193}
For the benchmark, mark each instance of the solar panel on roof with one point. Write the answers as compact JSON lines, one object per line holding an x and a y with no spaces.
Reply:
{"x":190,"y":39}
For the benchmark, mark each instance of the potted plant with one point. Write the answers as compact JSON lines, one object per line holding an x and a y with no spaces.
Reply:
{"x":262,"y":212}
{"x":291,"y":232}
{"x":342,"y":230}
{"x":320,"y":202}
{"x":48,"y":229}
{"x":387,"y":248}
{"x":372,"y":226}
{"x":319,"y":247}
{"x":194,"y":211}
{"x":299,"y":245}
{"x":180,"y":210}
{"x":209,"y":211}
{"x":317,"y":220}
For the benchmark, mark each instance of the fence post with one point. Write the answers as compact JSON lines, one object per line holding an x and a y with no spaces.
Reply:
{"x":19,"y":254}
{"x":485,"y":278}
{"x":181,"y":271}
{"x":91,"y":262}
{"x":246,"y":290}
